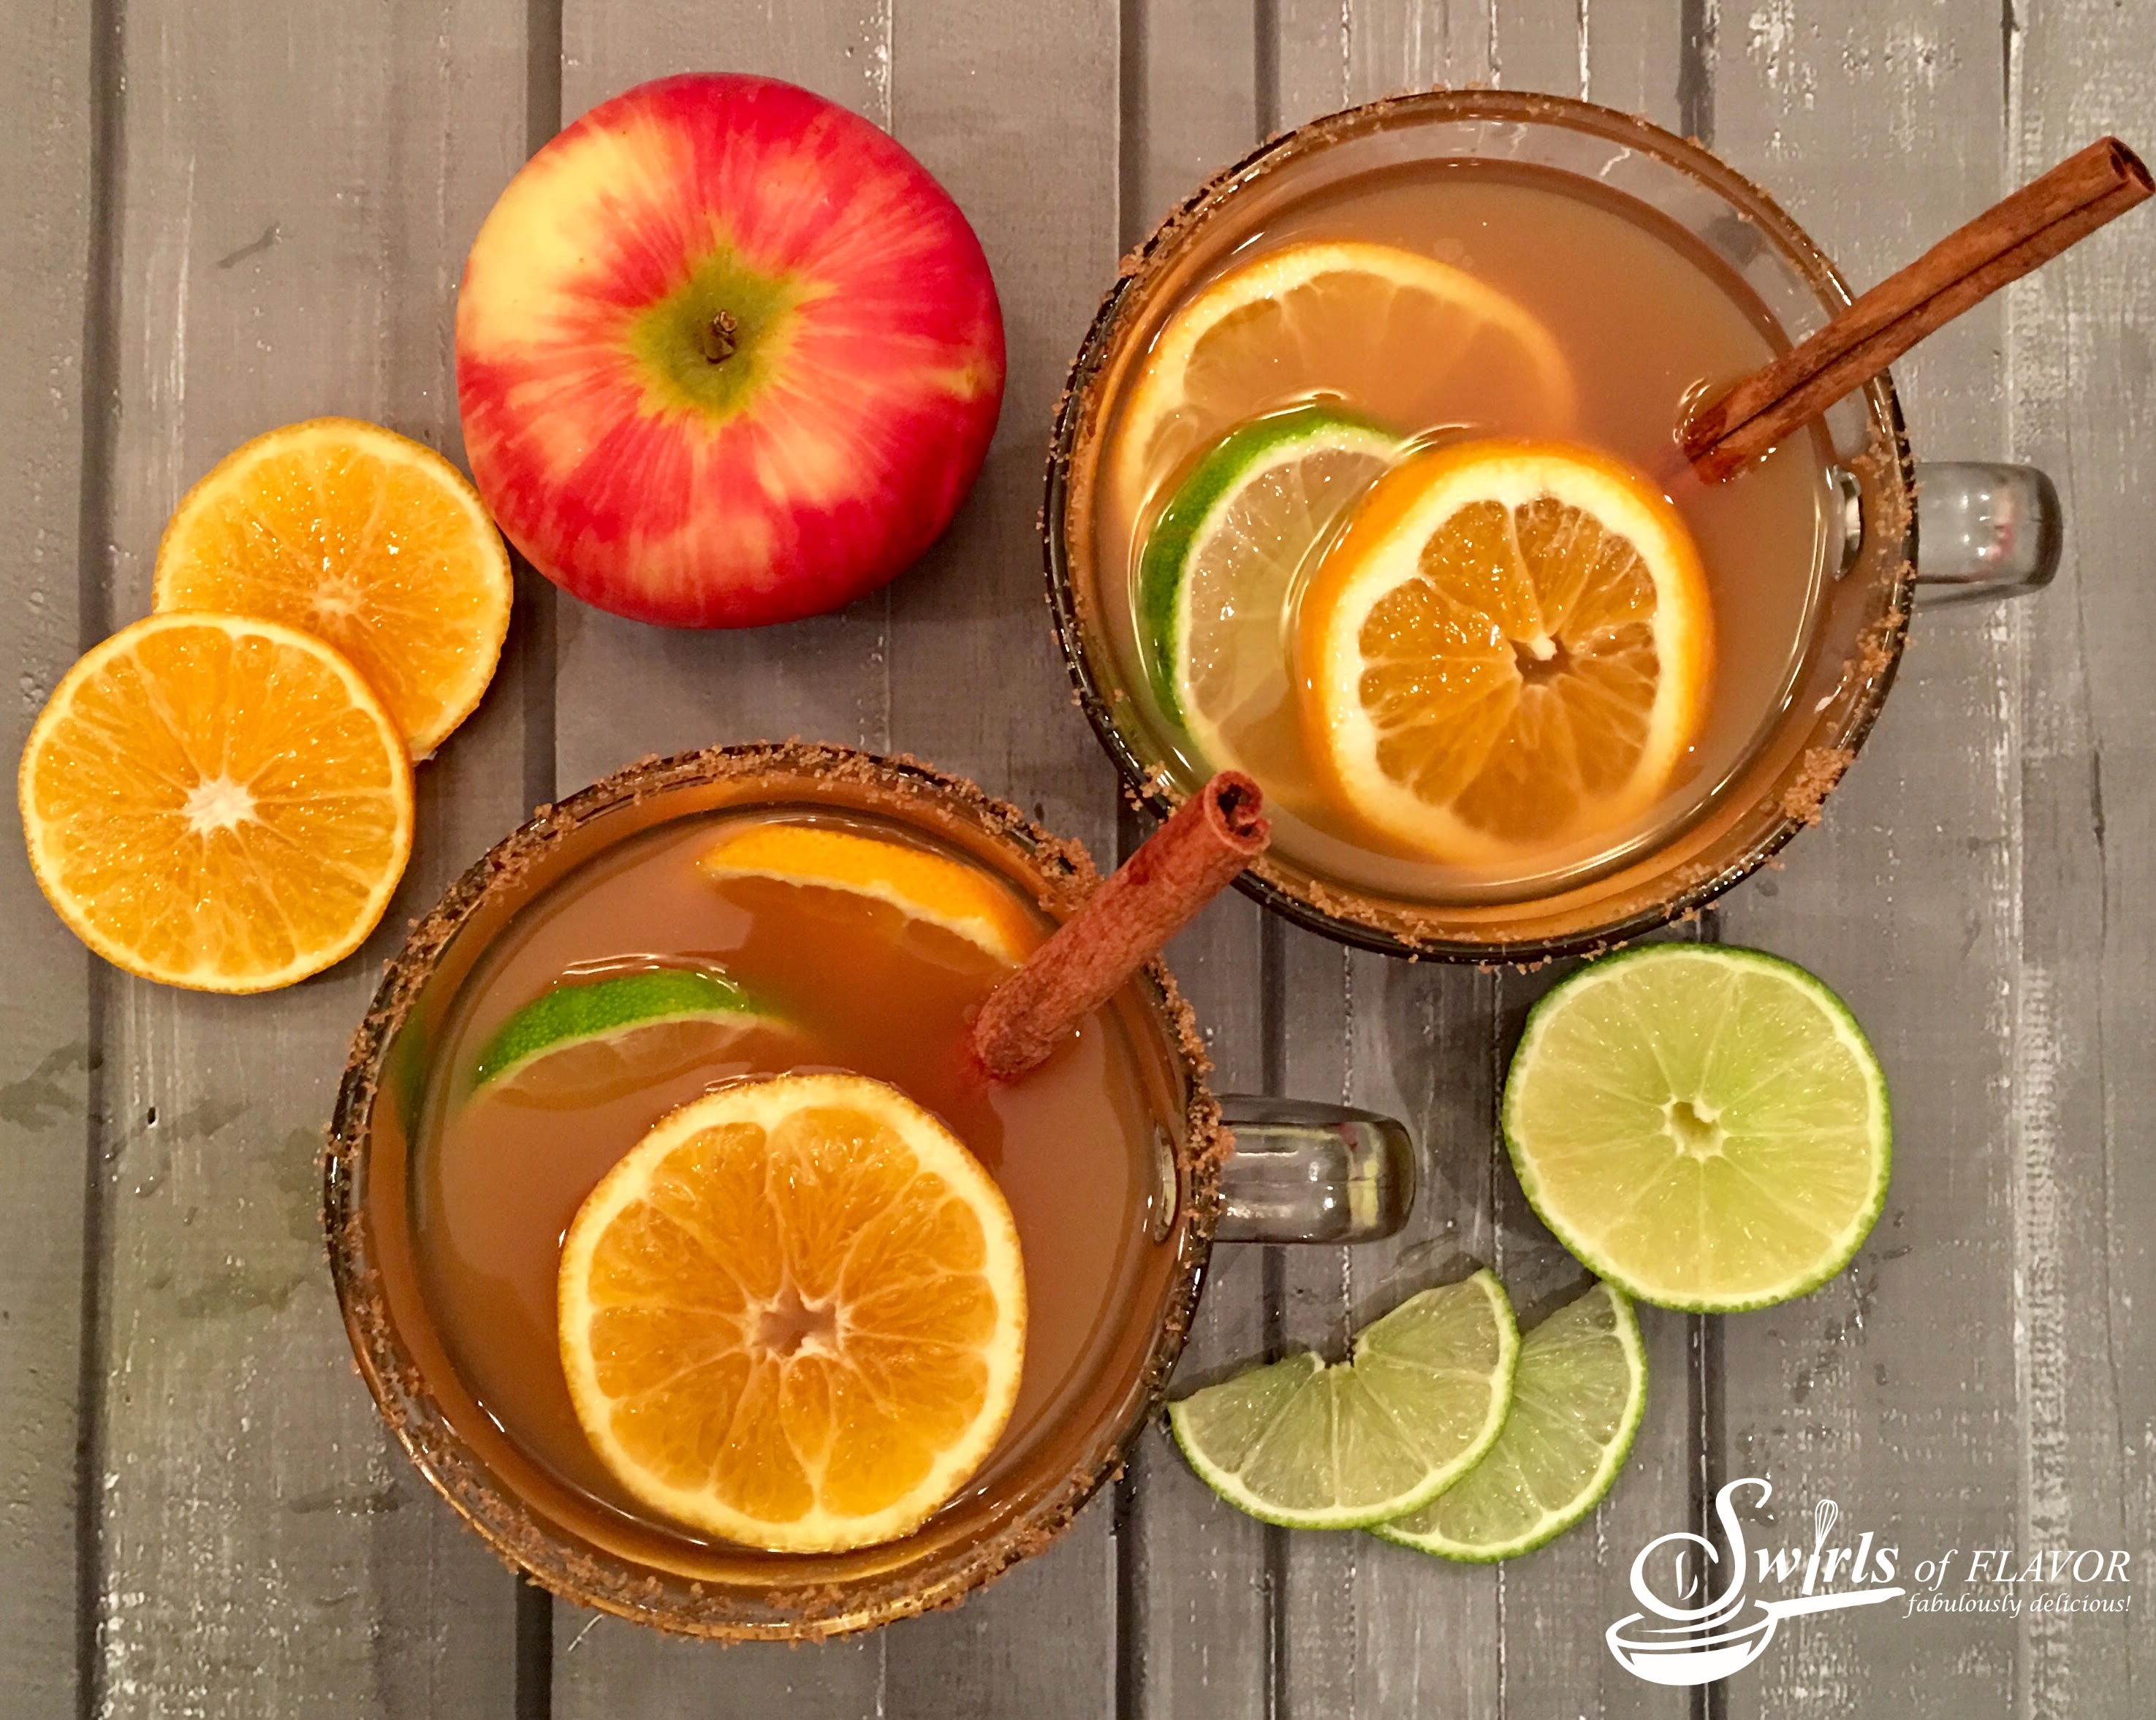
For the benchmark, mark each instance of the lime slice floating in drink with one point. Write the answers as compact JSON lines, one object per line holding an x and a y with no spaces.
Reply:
{"x":1310,"y":1445}
{"x":1577,"y":1395}
{"x":1220,"y":563}
{"x":1706,"y":1128}
{"x":590,"y":1041}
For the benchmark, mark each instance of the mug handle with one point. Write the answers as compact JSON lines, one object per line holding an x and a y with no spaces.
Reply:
{"x":1984,"y":532}
{"x":1308,"y":1173}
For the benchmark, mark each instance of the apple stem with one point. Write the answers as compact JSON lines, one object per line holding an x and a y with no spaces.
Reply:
{"x":717,"y":337}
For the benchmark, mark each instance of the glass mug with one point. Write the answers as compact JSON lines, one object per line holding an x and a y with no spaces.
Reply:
{"x":1297,"y":1173}
{"x":1987,"y":531}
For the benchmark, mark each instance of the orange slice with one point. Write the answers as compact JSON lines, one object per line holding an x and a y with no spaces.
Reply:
{"x":362,"y":537}
{"x":1333,"y":319}
{"x":217,"y":802}
{"x":1508,"y":651}
{"x":795,"y":1315}
{"x":963,"y":900}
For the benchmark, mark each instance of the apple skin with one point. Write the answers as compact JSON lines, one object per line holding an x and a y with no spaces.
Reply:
{"x":636,"y":467}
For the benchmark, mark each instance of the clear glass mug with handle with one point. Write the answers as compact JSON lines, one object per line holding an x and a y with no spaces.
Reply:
{"x":1986,"y":531}
{"x":1231,"y":1168}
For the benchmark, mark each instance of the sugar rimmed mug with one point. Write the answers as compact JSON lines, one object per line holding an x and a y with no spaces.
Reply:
{"x":1988,"y":531}
{"x":1225,"y":1168}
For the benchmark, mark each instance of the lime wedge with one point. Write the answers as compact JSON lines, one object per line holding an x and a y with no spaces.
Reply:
{"x":1706,"y":1128}
{"x":1577,"y":1399}
{"x":1311,"y":1447}
{"x":590,"y":1041}
{"x":1220,"y":567}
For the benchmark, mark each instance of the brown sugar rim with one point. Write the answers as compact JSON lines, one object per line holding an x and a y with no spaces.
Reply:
{"x":1064,"y":874}
{"x":1403,"y":928}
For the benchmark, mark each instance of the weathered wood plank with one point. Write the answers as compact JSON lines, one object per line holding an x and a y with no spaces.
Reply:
{"x":1372,"y":1628}
{"x":1016,"y":110}
{"x":1193,"y":1573}
{"x":629,"y":690}
{"x":1392,"y":45}
{"x":1892,"y":1391}
{"x":624,"y":689}
{"x":1017,"y":113}
{"x":1435,"y":1630}
{"x":907,"y":670}
{"x":296,"y":192}
{"x":2082,"y":403}
{"x":48,"y":274}
{"x":1556,"y":1604}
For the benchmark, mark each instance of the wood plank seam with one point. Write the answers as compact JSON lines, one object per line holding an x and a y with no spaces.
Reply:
{"x":100,"y":424}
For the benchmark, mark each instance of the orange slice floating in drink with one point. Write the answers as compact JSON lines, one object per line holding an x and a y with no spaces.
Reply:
{"x":794,"y":1314}
{"x":1508,"y":650}
{"x":217,"y":802}
{"x":932,"y":888}
{"x":362,"y":537}
{"x":1334,"y":319}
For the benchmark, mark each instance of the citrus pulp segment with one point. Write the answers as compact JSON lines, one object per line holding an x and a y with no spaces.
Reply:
{"x":362,"y":537}
{"x":1331,"y":317}
{"x":1310,"y":1445}
{"x":1509,"y":648}
{"x":1219,"y":564}
{"x":216,"y":802}
{"x":794,"y":1314}
{"x":1706,"y":1127}
{"x":934,"y":888}
{"x":1577,"y":1395}
{"x":593,"y":1040}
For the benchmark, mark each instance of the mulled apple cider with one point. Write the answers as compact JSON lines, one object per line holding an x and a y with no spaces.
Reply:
{"x":1576,"y":319}
{"x":689,"y":1250}
{"x":756,"y":944}
{"x":1370,"y":485}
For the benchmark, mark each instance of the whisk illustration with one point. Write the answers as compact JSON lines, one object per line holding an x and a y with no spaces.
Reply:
{"x":1707,"y":1642}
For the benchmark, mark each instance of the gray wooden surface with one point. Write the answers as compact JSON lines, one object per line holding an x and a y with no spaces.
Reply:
{"x":219,"y":215}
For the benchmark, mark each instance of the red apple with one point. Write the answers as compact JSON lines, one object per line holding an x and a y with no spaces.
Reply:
{"x":725,"y":354}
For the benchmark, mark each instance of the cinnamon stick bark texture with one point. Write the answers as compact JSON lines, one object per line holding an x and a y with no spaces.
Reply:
{"x":2004,"y":244}
{"x":1152,"y":895}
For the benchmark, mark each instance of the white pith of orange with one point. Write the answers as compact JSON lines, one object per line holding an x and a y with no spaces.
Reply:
{"x":1273,"y":331}
{"x":217,"y":802}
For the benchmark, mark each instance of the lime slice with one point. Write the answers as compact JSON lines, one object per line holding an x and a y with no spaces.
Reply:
{"x":590,"y":1041}
{"x":1577,"y":1399}
{"x":1706,"y":1128}
{"x":1312,"y":1446}
{"x":1220,"y":567}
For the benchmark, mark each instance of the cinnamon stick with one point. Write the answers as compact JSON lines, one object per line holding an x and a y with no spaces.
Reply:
{"x":1152,"y":895}
{"x":2028,"y":229}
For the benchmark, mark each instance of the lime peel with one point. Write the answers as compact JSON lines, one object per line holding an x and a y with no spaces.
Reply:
{"x":580,"y":1012}
{"x":1306,"y":1445}
{"x":1203,"y":547}
{"x":1498,"y":1510}
{"x":1704,"y":1126}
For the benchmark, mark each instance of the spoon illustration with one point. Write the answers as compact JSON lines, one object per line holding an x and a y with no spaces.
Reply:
{"x":1705,"y":1643}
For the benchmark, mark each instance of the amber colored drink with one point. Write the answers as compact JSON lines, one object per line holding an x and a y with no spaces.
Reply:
{"x":1649,"y":322}
{"x":851,"y":983}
